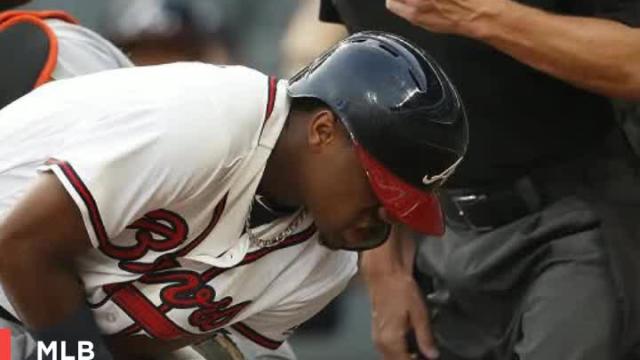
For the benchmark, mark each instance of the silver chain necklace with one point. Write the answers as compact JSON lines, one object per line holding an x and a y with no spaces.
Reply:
{"x":261,"y":243}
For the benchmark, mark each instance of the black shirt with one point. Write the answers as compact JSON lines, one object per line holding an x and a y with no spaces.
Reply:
{"x":519,"y":118}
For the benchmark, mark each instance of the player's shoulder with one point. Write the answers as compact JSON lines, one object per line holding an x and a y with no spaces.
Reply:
{"x":193,"y":108}
{"x":216,"y":79}
{"x":191,"y":99}
{"x":231,"y":90}
{"x":206,"y":109}
{"x":235,"y":91}
{"x":226,"y":102}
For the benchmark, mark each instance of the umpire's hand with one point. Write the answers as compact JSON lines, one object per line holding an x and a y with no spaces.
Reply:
{"x":462,"y":17}
{"x":397,"y":306}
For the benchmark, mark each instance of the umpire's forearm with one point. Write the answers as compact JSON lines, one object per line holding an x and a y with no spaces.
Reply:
{"x":595,"y":54}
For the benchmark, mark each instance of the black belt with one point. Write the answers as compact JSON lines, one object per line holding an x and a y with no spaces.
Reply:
{"x":486,"y":209}
{"x":4,"y":314}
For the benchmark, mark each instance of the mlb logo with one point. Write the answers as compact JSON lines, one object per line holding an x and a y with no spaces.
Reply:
{"x":5,"y":344}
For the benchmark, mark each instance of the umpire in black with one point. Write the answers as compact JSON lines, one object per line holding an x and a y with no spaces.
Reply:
{"x":541,"y":258}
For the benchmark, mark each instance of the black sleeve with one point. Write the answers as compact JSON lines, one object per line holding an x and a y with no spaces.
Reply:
{"x":328,"y":12}
{"x":624,"y":11}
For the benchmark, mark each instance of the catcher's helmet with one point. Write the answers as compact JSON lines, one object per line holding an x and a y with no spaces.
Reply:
{"x":9,"y":4}
{"x":403,"y":114}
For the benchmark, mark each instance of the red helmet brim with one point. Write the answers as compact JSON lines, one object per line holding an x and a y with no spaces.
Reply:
{"x":420,"y":210}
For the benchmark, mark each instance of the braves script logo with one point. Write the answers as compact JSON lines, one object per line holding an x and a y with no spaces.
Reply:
{"x":188,"y":290}
{"x":171,"y":231}
{"x":161,"y":231}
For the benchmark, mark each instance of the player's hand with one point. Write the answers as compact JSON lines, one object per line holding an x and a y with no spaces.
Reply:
{"x":463,"y":17}
{"x":398,"y":309}
{"x":397,"y":305}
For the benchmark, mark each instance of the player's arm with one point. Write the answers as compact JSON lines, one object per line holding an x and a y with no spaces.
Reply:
{"x":398,"y":307}
{"x":596,"y":54}
{"x":40,"y":239}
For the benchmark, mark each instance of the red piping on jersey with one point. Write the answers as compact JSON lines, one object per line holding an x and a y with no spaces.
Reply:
{"x":271,"y":100}
{"x":87,"y":198}
{"x":256,"y":337}
{"x":37,"y":18}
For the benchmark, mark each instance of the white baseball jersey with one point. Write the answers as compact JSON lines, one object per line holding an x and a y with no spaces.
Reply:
{"x":163,"y":163}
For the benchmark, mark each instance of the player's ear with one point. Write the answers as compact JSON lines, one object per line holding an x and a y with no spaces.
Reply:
{"x":324,"y":129}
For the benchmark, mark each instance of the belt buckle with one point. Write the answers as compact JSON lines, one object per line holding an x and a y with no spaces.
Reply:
{"x":460,"y":201}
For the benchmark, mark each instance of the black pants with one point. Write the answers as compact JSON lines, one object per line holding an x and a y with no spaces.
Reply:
{"x":561,"y":283}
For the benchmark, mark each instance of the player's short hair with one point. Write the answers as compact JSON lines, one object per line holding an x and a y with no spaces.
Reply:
{"x":307,"y":104}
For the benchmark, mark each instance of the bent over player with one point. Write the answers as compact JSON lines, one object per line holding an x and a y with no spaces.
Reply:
{"x":159,"y":205}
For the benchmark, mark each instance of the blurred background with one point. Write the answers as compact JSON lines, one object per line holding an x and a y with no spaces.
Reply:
{"x":271,"y":36}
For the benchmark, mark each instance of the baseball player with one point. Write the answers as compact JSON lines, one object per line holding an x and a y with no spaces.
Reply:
{"x":75,"y":50}
{"x":160,"y":205}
